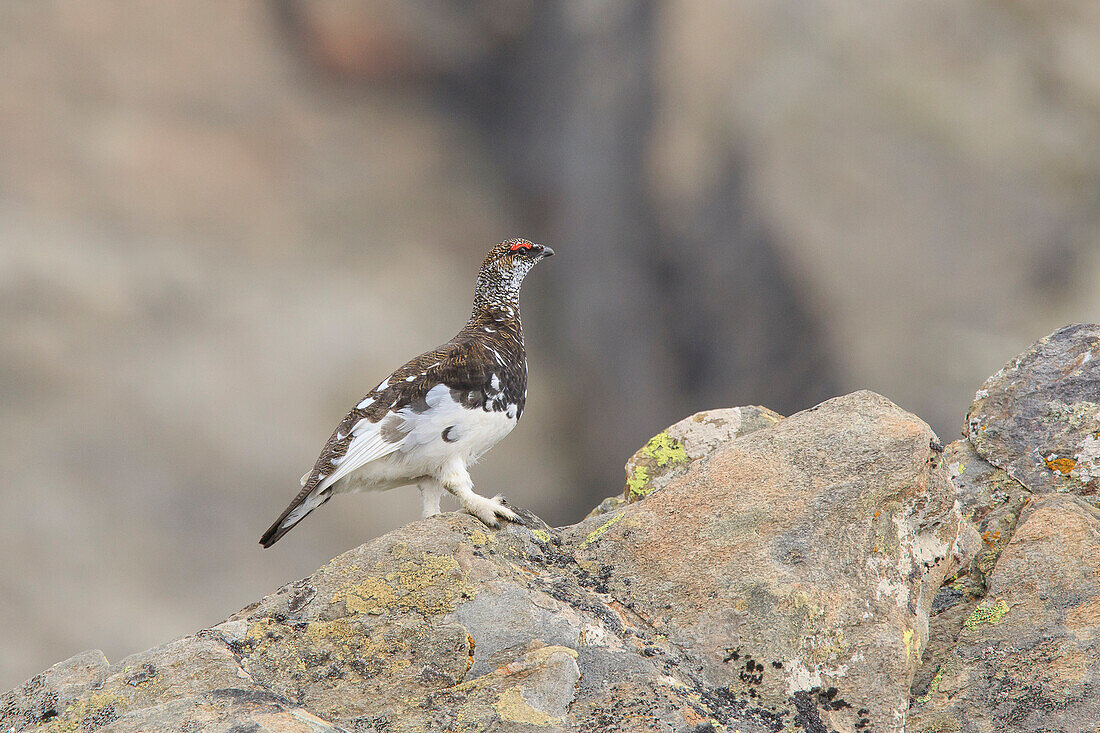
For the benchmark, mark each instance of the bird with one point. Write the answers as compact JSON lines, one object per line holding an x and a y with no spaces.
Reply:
{"x":431,"y":419}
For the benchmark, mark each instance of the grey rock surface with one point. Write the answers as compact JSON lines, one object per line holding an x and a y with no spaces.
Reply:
{"x":1012,"y":638}
{"x":668,"y":454}
{"x":1038,"y":418}
{"x":796,"y":565}
{"x":990,"y":501}
{"x":1027,"y":656}
{"x":773,"y":583}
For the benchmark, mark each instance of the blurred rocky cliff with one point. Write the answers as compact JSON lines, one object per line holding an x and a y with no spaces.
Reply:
{"x":835,"y":570}
{"x":221,"y":222}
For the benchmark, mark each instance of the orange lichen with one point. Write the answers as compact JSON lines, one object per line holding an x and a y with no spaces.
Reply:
{"x":1061,"y":465}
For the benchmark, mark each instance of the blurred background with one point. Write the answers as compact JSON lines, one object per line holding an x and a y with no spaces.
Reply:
{"x":221,"y":223}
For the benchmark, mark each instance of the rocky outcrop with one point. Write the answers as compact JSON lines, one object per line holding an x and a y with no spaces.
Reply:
{"x":1015,"y":636}
{"x":1027,"y":657}
{"x":837,"y":569}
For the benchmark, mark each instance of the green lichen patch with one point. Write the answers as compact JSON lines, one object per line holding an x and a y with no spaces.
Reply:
{"x":664,"y":449}
{"x":933,"y":687}
{"x":653,"y":460}
{"x":987,"y":615}
{"x":598,"y":532}
{"x":636,"y":482}
{"x":541,"y":535}
{"x":1076,"y":414}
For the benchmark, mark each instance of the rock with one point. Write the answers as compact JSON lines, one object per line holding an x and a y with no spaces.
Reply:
{"x":795,"y":566}
{"x":216,"y":711}
{"x":45,"y":696}
{"x":1037,"y":399}
{"x":1038,"y":418}
{"x":1027,"y":656}
{"x":667,"y":455}
{"x":777,"y":580}
{"x":990,"y":501}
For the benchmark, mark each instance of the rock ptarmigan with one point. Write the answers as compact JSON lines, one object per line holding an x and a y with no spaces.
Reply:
{"x":429,"y":420}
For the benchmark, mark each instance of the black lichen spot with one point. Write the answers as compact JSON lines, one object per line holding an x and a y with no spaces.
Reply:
{"x":807,"y":717}
{"x":829,"y":700}
{"x":777,"y":665}
{"x":1030,"y":701}
{"x":753,"y":673}
{"x":250,"y":697}
{"x":946,"y":597}
{"x":142,"y":674}
{"x":99,"y":718}
{"x":241,"y":648}
{"x":733,"y":654}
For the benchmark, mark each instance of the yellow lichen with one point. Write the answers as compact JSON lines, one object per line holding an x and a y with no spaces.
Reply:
{"x":511,"y":707}
{"x":292,"y":650}
{"x":373,"y":595}
{"x":944,"y":724}
{"x":598,"y":532}
{"x":636,"y":482}
{"x":431,"y":584}
{"x":983,"y":615}
{"x":89,"y":709}
{"x":907,"y":637}
{"x":661,"y":450}
{"x":541,"y":535}
{"x":480,"y":539}
{"x":932,"y":688}
{"x":664,"y":449}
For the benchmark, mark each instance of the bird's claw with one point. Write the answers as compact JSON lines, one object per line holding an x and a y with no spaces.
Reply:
{"x":490,"y":511}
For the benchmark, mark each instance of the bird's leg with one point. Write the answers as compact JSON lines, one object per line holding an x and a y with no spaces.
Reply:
{"x":431,"y":491}
{"x":456,"y":479}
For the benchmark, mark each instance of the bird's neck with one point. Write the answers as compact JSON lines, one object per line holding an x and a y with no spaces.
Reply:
{"x":497,"y":317}
{"x":499,"y":324}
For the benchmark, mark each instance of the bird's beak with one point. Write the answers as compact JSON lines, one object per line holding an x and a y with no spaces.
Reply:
{"x":547,"y":252}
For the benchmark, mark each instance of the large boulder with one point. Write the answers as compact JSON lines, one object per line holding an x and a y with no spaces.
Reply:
{"x":796,"y":566}
{"x":1013,"y":635}
{"x":1027,"y":657}
{"x":1038,"y":418}
{"x":780,"y":579}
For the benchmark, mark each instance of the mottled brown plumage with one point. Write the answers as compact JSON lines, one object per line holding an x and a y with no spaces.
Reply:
{"x":479,"y":372}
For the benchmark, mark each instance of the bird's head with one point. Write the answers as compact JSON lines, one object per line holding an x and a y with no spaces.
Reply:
{"x":503,"y":271}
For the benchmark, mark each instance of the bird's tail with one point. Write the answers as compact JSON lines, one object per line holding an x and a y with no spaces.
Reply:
{"x":305,"y":502}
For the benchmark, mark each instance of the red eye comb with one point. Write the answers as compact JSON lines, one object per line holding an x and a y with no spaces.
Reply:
{"x":520,"y":245}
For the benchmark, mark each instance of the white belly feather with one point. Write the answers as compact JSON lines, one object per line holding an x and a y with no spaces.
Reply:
{"x":444,"y":431}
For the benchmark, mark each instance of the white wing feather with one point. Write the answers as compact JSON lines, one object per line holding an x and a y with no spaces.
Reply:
{"x":367,"y":445}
